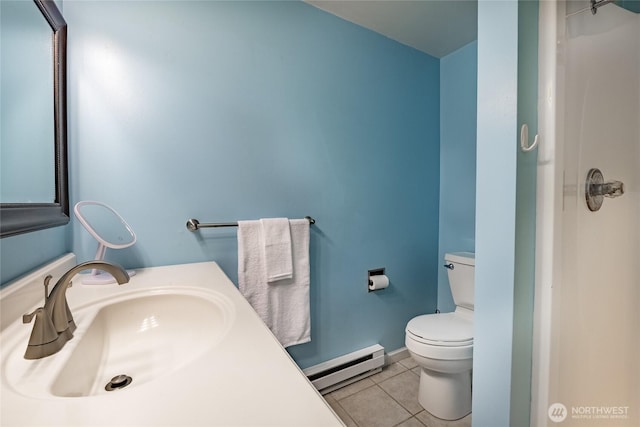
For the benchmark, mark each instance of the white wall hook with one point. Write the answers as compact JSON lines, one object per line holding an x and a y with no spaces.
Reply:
{"x":524,"y":139}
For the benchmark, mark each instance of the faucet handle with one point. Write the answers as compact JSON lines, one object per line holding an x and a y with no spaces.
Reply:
{"x":47,"y":280}
{"x":27,"y":318}
{"x":43,"y":330}
{"x":43,"y":335}
{"x":46,"y":286}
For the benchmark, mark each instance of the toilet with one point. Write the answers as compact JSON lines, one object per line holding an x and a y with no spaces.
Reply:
{"x":442,"y":345}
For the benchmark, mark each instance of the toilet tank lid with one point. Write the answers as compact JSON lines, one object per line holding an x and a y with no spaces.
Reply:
{"x":466,"y":258}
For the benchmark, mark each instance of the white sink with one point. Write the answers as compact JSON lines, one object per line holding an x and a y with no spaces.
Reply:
{"x":196,"y":351}
{"x":142,"y":335}
{"x":143,"y":338}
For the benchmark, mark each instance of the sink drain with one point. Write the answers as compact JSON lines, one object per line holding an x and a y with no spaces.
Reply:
{"x":118,"y":382}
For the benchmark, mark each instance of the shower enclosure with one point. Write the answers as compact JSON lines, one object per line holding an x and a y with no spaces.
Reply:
{"x":586,"y":362}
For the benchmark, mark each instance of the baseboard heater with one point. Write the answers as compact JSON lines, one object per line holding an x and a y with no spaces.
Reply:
{"x":344,"y":370}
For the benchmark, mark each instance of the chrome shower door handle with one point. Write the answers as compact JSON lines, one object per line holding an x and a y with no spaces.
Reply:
{"x":596,"y":189}
{"x":609,"y":189}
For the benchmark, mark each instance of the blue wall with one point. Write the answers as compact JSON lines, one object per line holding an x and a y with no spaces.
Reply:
{"x":22,"y":253}
{"x":524,"y":283}
{"x":495,"y":212}
{"x":458,"y":105}
{"x":225,"y":111}
{"x":632,"y":5}
{"x":240,"y":110}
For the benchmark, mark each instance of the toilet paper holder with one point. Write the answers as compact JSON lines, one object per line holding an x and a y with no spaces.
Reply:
{"x":374,"y":272}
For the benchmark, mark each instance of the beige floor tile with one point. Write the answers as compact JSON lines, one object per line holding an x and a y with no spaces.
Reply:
{"x":411,"y":422}
{"x":388,"y":372}
{"x":372,"y":407}
{"x":404,"y":389}
{"x":408,"y":362}
{"x":430,"y":421}
{"x":340,"y":412}
{"x":416,"y":370}
{"x":343,"y":392}
{"x":464,"y":422}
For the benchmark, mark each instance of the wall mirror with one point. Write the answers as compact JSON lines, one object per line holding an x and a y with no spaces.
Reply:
{"x":33,"y":143}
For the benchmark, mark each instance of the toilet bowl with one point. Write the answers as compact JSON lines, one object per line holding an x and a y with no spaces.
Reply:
{"x":442,"y":345}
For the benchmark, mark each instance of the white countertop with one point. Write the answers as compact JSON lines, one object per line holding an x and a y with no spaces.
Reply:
{"x":247,"y":379}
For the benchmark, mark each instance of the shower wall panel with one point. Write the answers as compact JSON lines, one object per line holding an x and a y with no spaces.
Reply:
{"x":595,"y":347}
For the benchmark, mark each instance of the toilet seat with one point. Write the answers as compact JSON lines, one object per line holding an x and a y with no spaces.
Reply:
{"x":442,"y":329}
{"x":442,"y":345}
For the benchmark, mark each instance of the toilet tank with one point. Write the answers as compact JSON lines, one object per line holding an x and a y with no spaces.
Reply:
{"x":461,"y":277}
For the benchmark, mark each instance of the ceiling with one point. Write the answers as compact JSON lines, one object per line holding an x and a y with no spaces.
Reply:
{"x":436,"y":27}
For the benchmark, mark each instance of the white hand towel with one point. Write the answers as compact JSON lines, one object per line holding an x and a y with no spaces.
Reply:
{"x":250,"y":271}
{"x":282,"y":305}
{"x":277,"y":249}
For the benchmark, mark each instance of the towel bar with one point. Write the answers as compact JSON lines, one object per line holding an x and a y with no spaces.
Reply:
{"x":194,"y":224}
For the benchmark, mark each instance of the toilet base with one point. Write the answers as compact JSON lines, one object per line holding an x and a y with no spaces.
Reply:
{"x":446,"y":396}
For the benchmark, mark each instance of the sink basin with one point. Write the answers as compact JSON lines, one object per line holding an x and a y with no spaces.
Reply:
{"x":195,"y":350}
{"x":140,"y":336}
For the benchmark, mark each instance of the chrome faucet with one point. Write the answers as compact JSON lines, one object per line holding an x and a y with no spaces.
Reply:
{"x":54,"y":324}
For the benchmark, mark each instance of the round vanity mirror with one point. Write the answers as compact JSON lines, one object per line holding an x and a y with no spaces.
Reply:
{"x":109,"y":229}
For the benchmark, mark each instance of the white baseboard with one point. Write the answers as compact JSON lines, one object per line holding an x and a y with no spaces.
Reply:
{"x":396,"y":355}
{"x":343,"y":370}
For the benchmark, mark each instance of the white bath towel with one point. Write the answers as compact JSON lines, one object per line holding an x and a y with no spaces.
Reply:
{"x":277,"y":249}
{"x":282,"y":305}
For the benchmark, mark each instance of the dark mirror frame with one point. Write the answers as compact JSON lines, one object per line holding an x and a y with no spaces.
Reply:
{"x":18,"y":218}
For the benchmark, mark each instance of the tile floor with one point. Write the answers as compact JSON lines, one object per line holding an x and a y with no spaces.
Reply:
{"x":386,"y":399}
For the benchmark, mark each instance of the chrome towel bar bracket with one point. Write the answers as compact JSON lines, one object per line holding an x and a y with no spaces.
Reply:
{"x":194,"y":224}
